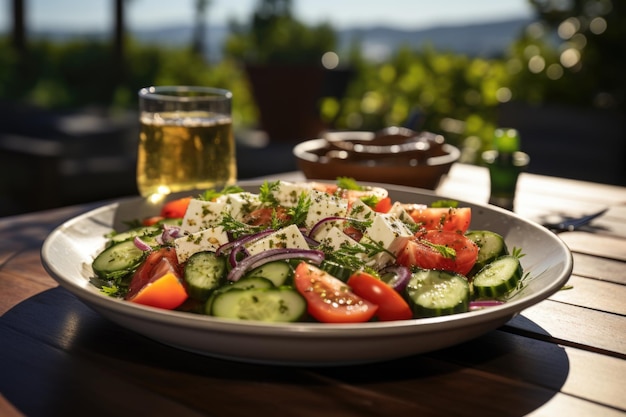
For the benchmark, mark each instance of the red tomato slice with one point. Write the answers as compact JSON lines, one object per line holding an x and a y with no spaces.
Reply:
{"x":330,"y":300}
{"x":417,"y":252}
{"x":353,"y":232}
{"x":149,"y":221}
{"x":167,"y":291}
{"x":440,"y":218}
{"x":263,"y":216}
{"x":175,"y":209}
{"x":391,"y":305}
{"x":383,"y":205}
{"x":158,"y":264}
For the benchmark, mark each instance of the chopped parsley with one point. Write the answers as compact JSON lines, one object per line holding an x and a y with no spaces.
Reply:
{"x":445,"y":204}
{"x":348,"y":183}
{"x":266,"y":192}
{"x":212,"y":194}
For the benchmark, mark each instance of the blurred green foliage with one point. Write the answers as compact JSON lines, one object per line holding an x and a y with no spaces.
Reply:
{"x":452,"y":93}
{"x":76,"y":74}
{"x":446,"y":92}
{"x":273,"y":35}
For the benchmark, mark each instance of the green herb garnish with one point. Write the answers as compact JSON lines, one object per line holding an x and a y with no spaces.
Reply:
{"x":445,"y":204}
{"x":348,"y":183}
{"x":266,"y":192}
{"x":212,"y":194}
{"x":445,"y":251}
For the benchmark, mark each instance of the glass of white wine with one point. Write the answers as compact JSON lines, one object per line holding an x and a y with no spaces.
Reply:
{"x":186,"y":140}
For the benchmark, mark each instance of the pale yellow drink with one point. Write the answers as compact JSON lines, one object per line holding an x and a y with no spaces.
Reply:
{"x":185,"y":150}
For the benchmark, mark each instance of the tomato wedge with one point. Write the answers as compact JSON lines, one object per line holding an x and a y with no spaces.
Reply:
{"x":265,"y":215}
{"x":151,"y":221}
{"x":330,"y":300}
{"x":157,"y":282}
{"x":440,"y":218}
{"x":422,"y":251}
{"x":175,"y":209}
{"x":391,"y":305}
{"x":383,"y":205}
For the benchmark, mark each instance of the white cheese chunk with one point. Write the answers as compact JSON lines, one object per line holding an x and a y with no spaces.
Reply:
{"x":335,"y":238}
{"x":386,"y":231}
{"x":397,"y":210}
{"x":201,"y":215}
{"x":361,"y":211}
{"x":205,"y":240}
{"x":287,"y":237}
{"x":325,"y":205}
{"x":288,"y":193}
{"x":239,"y":205}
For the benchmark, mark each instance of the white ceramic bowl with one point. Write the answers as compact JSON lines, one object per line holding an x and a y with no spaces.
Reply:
{"x":68,"y":251}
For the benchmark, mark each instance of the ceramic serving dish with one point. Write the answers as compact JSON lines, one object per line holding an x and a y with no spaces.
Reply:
{"x":399,"y":157}
{"x":68,"y":251}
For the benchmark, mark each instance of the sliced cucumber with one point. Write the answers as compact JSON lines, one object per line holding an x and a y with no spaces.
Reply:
{"x":337,"y":270}
{"x":261,"y":304}
{"x":204,"y":272}
{"x":132,"y":233}
{"x":490,"y":246}
{"x":248,"y":283}
{"x":497,"y":278}
{"x":278,"y":272}
{"x":175,"y":221}
{"x":433,"y":293}
{"x":245,"y":283}
{"x":117,"y":260}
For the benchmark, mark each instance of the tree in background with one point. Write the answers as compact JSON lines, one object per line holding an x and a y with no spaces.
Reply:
{"x":573,"y":54}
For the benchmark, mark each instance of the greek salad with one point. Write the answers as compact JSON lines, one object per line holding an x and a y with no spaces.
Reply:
{"x":306,"y":251}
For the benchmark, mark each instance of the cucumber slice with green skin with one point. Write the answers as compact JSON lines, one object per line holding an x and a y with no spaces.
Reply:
{"x":260,"y":304}
{"x":138,"y":231}
{"x":433,"y":293}
{"x":278,"y":272}
{"x":337,"y":270}
{"x":490,"y":247}
{"x":175,"y":221}
{"x":245,"y":283}
{"x":117,"y":260}
{"x":204,"y":272}
{"x":497,"y":278}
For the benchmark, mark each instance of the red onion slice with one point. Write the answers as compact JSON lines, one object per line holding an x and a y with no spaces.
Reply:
{"x":400,"y":277}
{"x":141,"y":245}
{"x":241,"y":240}
{"x":325,"y":220}
{"x":169,"y":234}
{"x":271,"y":255}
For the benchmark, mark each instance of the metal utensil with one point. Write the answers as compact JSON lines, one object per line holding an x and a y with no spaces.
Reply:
{"x":570,"y":224}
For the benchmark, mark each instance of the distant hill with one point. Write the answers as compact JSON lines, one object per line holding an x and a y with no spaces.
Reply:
{"x":486,"y":39}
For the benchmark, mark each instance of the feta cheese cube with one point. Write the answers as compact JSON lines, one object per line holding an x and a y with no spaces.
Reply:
{"x":288,"y":193}
{"x":240,"y":204}
{"x":385,"y":229}
{"x":361,"y":211}
{"x":205,"y":240}
{"x":335,"y":238}
{"x":201,"y":215}
{"x":325,"y":205}
{"x":287,"y":237}
{"x":398,"y":211}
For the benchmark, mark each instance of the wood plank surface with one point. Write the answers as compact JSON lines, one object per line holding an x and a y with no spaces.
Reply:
{"x":565,"y":356}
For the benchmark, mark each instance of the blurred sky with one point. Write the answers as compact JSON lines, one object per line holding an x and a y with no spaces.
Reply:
{"x":96,"y":15}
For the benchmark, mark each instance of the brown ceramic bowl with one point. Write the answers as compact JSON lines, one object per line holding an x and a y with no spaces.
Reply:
{"x":397,"y":163}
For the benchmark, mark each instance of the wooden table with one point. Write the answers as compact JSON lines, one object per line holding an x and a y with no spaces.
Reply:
{"x":566,"y":356}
